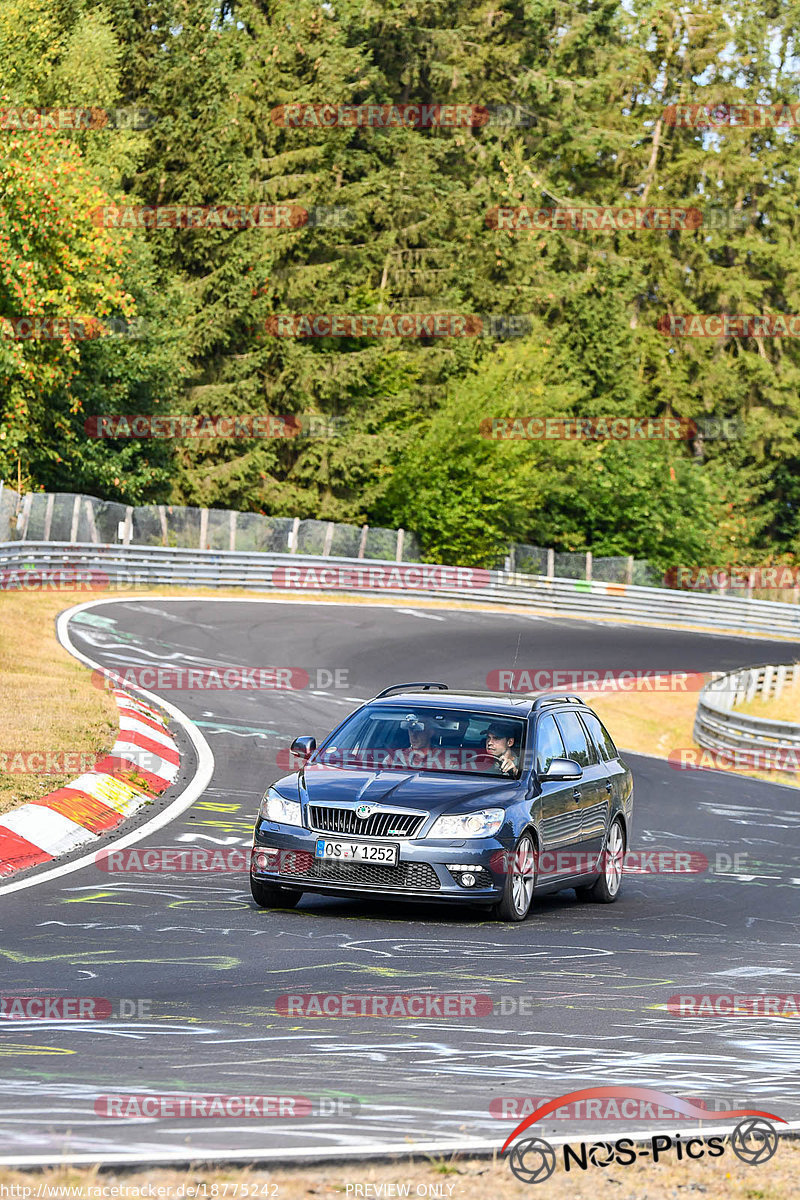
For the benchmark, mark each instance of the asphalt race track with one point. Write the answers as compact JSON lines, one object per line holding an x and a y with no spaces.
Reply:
{"x":595,"y":978}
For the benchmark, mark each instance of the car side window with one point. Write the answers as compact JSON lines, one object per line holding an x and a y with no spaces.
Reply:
{"x":599,"y":736}
{"x":610,"y":749}
{"x":548,"y":744}
{"x":575,"y":740}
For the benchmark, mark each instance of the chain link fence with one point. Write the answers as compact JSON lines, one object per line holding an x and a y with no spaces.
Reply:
{"x":75,"y":518}
{"x":619,"y":568}
{"x":625,"y":569}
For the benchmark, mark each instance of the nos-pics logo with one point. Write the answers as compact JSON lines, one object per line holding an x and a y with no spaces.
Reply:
{"x":754,"y":1140}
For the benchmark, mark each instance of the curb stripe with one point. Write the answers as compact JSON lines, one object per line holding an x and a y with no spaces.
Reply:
{"x":51,"y":831}
{"x":167,"y":753}
{"x":146,"y":728}
{"x":114,"y":793}
{"x":83,"y":809}
{"x":158,"y":767}
{"x":131,"y":716}
{"x":138,"y":706}
{"x":116,"y":765}
{"x":186,"y":797}
{"x":79,"y":812}
{"x":16,"y":853}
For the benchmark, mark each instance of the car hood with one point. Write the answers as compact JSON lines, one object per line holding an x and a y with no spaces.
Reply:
{"x":435,"y":791}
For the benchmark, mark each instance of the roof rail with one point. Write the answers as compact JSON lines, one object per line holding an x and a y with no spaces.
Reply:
{"x":543,"y":701}
{"x":407,"y":687}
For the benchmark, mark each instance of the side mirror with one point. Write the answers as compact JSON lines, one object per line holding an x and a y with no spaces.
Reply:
{"x":563,"y":768}
{"x":304,"y":746}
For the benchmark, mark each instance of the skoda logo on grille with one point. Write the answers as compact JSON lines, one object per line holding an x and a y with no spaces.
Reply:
{"x":363,"y":811}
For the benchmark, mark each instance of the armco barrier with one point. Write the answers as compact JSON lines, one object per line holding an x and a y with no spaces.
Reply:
{"x":718,"y":726}
{"x":21,"y":565}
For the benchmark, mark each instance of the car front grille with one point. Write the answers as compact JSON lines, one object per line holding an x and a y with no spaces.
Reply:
{"x":383,"y":823}
{"x":300,"y":867}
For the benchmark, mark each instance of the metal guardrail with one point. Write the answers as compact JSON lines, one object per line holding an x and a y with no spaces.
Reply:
{"x":134,"y":566}
{"x":718,"y":726}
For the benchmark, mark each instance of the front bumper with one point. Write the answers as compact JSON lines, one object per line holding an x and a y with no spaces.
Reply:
{"x":284,"y":855}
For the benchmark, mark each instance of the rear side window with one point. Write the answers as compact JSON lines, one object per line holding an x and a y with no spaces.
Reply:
{"x":601,"y":736}
{"x":575,"y":740}
{"x":548,"y":744}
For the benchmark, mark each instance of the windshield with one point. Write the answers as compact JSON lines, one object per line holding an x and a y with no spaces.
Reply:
{"x":418,"y":738}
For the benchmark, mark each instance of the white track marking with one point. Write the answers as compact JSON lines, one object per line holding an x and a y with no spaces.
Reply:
{"x":415,"y":612}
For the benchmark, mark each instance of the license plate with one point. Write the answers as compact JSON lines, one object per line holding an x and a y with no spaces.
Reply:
{"x":357,"y":852}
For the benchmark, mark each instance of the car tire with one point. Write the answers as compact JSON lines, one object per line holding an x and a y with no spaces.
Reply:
{"x":607,"y":886}
{"x":517,"y":897}
{"x":266,"y":895}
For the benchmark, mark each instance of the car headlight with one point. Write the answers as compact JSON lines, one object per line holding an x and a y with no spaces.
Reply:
{"x":469,"y":825}
{"x":275,"y":807}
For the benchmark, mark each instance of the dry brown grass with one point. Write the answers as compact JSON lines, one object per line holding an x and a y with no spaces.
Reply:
{"x":724,"y":1178}
{"x":785,"y":708}
{"x":658,"y":722}
{"x":647,"y":722}
{"x":47,"y":699}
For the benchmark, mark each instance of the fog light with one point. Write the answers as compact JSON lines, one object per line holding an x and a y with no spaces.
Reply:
{"x":468,"y":880}
{"x":264,"y":859}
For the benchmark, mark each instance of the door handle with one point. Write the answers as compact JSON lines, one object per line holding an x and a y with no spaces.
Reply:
{"x":576,"y":795}
{"x":609,"y":789}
